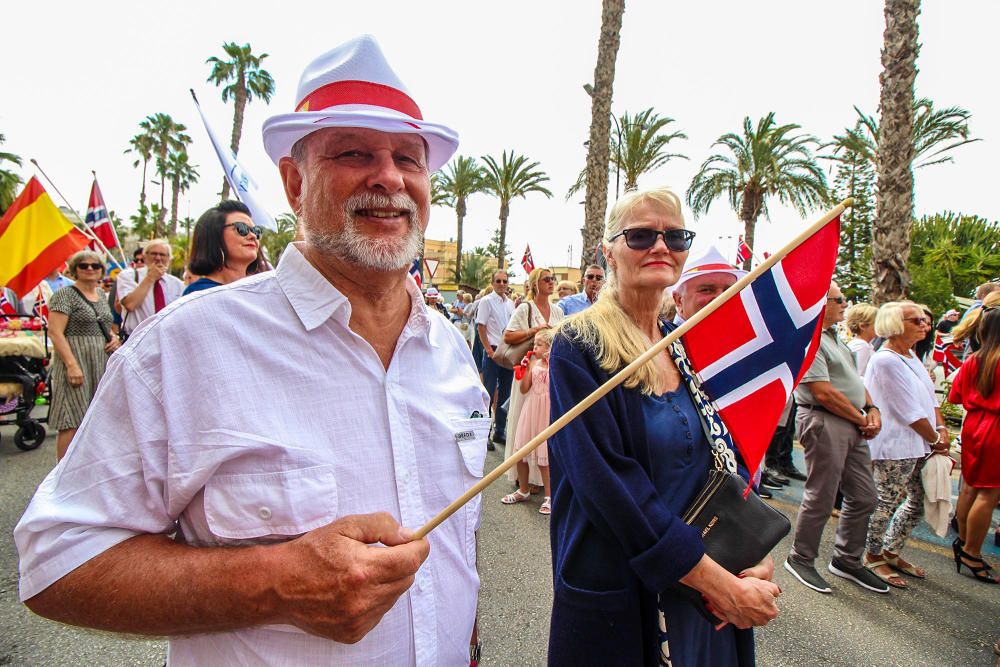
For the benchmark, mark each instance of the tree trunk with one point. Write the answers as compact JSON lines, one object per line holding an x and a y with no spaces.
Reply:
{"x":241,"y":105}
{"x":161,"y":215}
{"x":750,"y":207}
{"x":894,"y":189}
{"x":175,"y":191}
{"x":142,"y":193}
{"x":460,"y":211}
{"x":504,"y":213}
{"x":600,"y":127}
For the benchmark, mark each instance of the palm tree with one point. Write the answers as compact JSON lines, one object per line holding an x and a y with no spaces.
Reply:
{"x":767,"y":161}
{"x":142,"y":145}
{"x":168,"y":135}
{"x":10,"y":182}
{"x":182,"y":175}
{"x":475,"y":271}
{"x":275,"y":242}
{"x":461,"y":179}
{"x":894,"y":188}
{"x":512,"y":177}
{"x":643,"y":149}
{"x":246,"y":80}
{"x":931,"y":128}
{"x":596,"y":201}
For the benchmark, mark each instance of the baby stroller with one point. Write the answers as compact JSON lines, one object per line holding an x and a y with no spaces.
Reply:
{"x":24,"y":361}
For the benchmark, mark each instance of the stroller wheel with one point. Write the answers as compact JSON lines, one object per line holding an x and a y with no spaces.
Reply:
{"x":29,"y":436}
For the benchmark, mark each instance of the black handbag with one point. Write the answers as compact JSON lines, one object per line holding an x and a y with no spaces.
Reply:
{"x":738,"y":531}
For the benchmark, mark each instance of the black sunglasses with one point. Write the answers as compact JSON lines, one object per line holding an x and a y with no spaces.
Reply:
{"x":594,"y":276}
{"x":837,"y":299}
{"x":87,"y":265}
{"x":644,"y":238}
{"x":500,"y":282}
{"x":243,"y":229}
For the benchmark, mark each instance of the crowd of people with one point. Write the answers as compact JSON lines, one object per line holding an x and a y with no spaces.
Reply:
{"x":180,"y":508}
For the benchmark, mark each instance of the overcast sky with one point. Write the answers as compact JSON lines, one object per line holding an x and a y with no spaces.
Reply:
{"x":79,"y":77}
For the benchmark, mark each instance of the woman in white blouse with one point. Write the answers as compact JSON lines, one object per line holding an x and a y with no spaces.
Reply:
{"x":861,"y":324}
{"x":912,"y":428}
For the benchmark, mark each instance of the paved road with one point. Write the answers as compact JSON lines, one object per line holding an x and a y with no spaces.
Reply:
{"x":945,"y":620}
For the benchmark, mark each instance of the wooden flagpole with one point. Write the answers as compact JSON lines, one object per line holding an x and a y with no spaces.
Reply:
{"x":621,"y":375}
{"x":86,"y":231}
{"x":114,"y":231}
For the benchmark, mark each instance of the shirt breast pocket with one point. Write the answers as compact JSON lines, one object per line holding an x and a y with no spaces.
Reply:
{"x":471,"y":436}
{"x":256,"y":506}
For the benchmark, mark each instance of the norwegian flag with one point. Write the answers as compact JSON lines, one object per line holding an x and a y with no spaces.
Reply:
{"x":41,"y":307}
{"x":743,"y":251}
{"x":946,"y":353}
{"x":6,"y":307}
{"x":749,"y":353}
{"x":415,"y":271}
{"x":527,"y":263}
{"x":98,"y":220}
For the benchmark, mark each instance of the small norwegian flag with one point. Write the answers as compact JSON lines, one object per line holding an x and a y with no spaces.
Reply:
{"x":743,"y":251}
{"x":946,"y":353}
{"x":6,"y":307}
{"x":527,"y":263}
{"x":41,"y":307}
{"x":98,"y":220}
{"x":415,"y":271}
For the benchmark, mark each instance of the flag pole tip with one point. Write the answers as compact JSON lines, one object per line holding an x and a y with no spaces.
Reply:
{"x":848,"y":203}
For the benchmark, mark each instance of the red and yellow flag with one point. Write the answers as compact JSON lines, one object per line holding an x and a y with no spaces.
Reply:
{"x":35,"y":238}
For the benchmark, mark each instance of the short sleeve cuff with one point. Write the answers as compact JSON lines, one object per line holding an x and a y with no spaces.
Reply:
{"x":672,"y":557}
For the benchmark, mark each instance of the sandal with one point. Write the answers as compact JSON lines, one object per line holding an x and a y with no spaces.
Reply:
{"x":900,"y":565}
{"x":982,"y":572}
{"x":516,"y":497}
{"x":546,"y":507}
{"x":892,"y":579}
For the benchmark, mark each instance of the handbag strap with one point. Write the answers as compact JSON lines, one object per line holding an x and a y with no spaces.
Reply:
{"x":100,"y":323}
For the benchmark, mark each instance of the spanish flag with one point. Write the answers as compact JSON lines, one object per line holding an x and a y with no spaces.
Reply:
{"x":35,"y":238}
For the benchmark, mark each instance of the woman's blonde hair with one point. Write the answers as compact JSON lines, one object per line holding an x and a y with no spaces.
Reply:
{"x":605,"y":326}
{"x":531,"y":284}
{"x":966,"y":329}
{"x":568,"y":284}
{"x":889,"y":320}
{"x":858,"y":315}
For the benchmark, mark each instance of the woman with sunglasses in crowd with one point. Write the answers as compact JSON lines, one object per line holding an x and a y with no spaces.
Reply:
{"x":535,"y":314}
{"x":625,"y":469}
{"x":225,"y":246}
{"x":913,"y":429}
{"x":977,"y":388}
{"x":80,"y":324}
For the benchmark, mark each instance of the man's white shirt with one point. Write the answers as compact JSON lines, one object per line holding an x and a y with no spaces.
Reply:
{"x":252,"y":413}
{"x":173,"y":288}
{"x":495,"y":312}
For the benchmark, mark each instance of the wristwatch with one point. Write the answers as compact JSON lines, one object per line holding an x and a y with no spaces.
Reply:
{"x":871,"y":406}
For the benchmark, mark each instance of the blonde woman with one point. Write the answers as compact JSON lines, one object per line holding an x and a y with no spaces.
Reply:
{"x":964,"y":330}
{"x":627,"y":467}
{"x":565,"y":288}
{"x":535,"y":314}
{"x":861,"y":324}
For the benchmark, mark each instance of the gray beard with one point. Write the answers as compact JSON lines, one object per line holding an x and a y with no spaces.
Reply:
{"x":377,"y":254}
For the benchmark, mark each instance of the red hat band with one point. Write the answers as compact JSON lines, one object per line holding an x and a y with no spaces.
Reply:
{"x":340,"y":93}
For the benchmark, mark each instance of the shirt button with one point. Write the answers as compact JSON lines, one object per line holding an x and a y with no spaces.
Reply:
{"x":406,"y":475}
{"x":264,"y":513}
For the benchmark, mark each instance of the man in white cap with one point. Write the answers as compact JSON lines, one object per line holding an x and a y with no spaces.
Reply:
{"x":703,"y":279}
{"x":271,"y":431}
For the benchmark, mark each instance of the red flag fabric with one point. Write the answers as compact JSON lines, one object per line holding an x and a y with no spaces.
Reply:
{"x":743,"y":251}
{"x":749,"y":353}
{"x":41,"y":307}
{"x":527,"y":263}
{"x":946,"y":353}
{"x":6,"y":307}
{"x":98,"y":220}
{"x":415,"y":271}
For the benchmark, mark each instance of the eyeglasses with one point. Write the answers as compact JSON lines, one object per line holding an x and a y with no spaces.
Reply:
{"x":498,"y":281}
{"x":96,"y":266}
{"x":837,"y":299}
{"x":594,"y":276}
{"x":156,"y":254}
{"x":644,"y":238}
{"x":918,"y":320}
{"x":549,"y":279}
{"x":243,"y":229}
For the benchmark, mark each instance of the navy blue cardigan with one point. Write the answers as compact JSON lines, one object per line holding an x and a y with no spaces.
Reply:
{"x":615,"y":545}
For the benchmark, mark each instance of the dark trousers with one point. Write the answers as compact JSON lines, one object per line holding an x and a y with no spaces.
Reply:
{"x":499,"y":379}
{"x":779,"y":452}
{"x":477,"y":351}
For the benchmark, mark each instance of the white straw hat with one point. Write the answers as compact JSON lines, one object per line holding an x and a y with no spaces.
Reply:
{"x":353,"y":86}
{"x":711,"y":261}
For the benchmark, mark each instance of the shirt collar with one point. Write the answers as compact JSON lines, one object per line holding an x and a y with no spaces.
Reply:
{"x":315,"y":300}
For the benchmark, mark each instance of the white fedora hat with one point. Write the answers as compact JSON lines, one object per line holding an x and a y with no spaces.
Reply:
{"x":353,"y":86}
{"x":711,"y":261}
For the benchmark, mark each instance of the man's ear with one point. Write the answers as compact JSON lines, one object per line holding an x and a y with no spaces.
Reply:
{"x":291,"y":179}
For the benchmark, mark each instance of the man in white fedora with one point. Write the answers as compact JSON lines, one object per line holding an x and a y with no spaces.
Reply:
{"x":251,"y":492}
{"x":704,"y":278}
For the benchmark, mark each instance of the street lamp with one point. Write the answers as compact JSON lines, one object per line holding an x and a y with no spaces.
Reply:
{"x":589,"y":89}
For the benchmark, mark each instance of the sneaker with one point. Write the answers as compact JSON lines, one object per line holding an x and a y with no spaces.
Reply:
{"x":764,"y":493}
{"x":490,"y":447}
{"x":792,"y":473}
{"x":769,"y":482}
{"x":859,"y":575}
{"x":807,"y":576}
{"x":777,"y":477}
